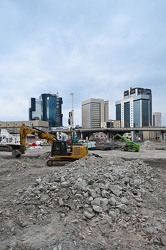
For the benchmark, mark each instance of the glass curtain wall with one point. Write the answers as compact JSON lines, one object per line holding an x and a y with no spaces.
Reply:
{"x":52,"y":111}
{"x":145,"y":113}
{"x":127,"y":114}
{"x":118,"y":112}
{"x":136,"y":109}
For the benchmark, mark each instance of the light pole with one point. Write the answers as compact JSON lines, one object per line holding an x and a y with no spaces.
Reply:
{"x":72,"y":112}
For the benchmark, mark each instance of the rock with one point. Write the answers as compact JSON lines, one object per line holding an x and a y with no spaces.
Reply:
{"x":61,"y":203}
{"x":52,"y":188}
{"x":163,"y":240}
{"x":79,"y":196}
{"x":97,"y":209}
{"x":96,"y":202}
{"x":88,"y":215}
{"x":126,"y":180}
{"x":116,"y":190}
{"x":112,"y":201}
{"x":93,"y":193}
{"x":105,"y":194}
{"x":123,"y":208}
{"x":104,"y":204}
{"x":112,"y":214}
{"x":124,"y":200}
{"x":71,"y":204}
{"x":65,"y":184}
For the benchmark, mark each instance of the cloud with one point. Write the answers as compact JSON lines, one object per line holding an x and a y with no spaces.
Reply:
{"x":94,"y":49}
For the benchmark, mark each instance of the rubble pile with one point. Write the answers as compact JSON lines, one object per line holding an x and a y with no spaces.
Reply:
{"x":150,"y":145}
{"x":96,"y":203}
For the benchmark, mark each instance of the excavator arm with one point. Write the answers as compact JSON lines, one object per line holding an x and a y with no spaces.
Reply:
{"x":24,"y":131}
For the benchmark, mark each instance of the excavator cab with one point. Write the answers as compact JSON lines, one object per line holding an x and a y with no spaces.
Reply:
{"x":60,"y":148}
{"x":62,"y":153}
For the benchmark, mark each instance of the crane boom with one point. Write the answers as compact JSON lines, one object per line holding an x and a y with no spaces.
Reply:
{"x":129,"y":145}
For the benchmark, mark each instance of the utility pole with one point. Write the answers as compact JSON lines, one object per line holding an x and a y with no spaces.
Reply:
{"x":72,"y":112}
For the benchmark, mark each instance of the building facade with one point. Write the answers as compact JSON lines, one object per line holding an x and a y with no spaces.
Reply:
{"x":135,"y":110}
{"x":13,"y":127}
{"x":94,"y":113}
{"x":47,"y":108}
{"x":157,"y":120}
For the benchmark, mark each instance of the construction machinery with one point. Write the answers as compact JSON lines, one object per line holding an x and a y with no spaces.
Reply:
{"x":62,"y":152}
{"x":129,"y":145}
{"x":8,"y":142}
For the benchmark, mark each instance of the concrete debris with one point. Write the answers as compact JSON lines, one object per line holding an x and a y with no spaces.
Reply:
{"x":153,"y":145}
{"x":93,"y":203}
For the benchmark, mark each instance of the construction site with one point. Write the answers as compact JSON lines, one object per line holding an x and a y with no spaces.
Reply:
{"x":90,"y":199}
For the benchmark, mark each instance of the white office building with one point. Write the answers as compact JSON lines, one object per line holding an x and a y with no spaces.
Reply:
{"x":94,"y":113}
{"x":135,"y":109}
{"x":157,"y":119}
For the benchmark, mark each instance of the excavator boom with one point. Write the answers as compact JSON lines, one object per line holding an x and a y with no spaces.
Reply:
{"x":24,"y":131}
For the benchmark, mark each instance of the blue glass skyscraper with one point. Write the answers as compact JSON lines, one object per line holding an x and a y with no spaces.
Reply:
{"x":47,"y":108}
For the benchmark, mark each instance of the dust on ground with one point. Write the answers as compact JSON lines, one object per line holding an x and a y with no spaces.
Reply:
{"x":116,"y":201}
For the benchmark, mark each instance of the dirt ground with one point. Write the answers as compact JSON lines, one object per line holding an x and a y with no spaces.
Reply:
{"x":18,"y":226}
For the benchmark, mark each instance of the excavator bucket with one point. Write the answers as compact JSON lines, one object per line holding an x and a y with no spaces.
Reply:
{"x":16,"y":154}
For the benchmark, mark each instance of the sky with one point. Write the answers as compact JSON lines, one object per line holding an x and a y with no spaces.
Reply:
{"x":92,"y":48}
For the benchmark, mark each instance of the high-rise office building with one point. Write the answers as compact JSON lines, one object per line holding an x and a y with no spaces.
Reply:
{"x":135,"y":110}
{"x":94,"y":113}
{"x":47,"y":108}
{"x":157,"y":119}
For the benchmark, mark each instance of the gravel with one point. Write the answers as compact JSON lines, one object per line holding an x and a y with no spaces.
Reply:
{"x":116,"y":201}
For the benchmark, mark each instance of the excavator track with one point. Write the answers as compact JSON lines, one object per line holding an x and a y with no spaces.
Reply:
{"x":58,"y":162}
{"x":6,"y":148}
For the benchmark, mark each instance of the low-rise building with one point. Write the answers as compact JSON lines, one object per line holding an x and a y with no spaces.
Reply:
{"x":14,"y":126}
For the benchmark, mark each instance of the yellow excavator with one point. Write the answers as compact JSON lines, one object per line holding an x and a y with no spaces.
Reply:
{"x":62,"y":152}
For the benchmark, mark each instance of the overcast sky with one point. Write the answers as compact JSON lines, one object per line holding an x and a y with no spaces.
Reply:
{"x":92,"y":48}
